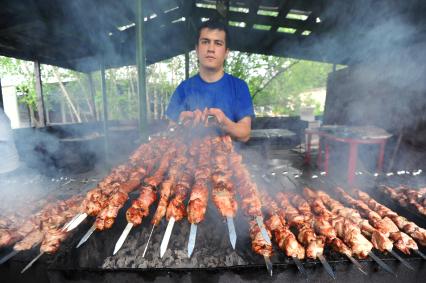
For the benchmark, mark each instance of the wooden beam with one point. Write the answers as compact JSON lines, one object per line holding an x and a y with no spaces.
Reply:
{"x":251,"y":18}
{"x":274,"y":22}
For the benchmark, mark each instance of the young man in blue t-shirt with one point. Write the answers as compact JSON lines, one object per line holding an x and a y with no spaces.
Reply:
{"x":212,"y":91}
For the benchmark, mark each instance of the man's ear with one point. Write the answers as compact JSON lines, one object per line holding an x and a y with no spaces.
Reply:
{"x":227,"y":53}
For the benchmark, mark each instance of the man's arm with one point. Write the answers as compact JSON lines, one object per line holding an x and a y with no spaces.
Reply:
{"x":239,"y":130}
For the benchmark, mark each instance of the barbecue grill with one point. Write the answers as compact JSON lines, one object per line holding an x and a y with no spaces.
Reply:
{"x":213,"y":256}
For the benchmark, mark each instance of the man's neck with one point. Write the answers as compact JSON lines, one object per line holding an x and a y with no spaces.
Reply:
{"x":211,"y":76}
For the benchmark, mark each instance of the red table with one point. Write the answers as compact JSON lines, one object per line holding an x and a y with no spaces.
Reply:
{"x":353,"y":150}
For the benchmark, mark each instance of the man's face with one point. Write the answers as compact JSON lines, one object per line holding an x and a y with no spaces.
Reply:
{"x":211,"y":49}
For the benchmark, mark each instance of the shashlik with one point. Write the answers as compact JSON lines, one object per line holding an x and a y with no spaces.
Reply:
{"x":384,"y":225}
{"x":416,"y":232}
{"x":348,"y":224}
{"x":31,"y":232}
{"x":198,"y":199}
{"x":415,"y":198}
{"x":345,"y":238}
{"x":276,"y":223}
{"x":223,"y":193}
{"x":314,"y":245}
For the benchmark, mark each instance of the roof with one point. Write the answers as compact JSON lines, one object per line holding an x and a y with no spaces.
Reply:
{"x":78,"y":34}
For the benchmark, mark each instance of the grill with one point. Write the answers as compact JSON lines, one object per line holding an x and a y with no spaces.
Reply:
{"x":213,"y":256}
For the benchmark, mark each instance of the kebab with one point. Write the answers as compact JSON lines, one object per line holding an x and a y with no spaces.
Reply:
{"x":284,"y":238}
{"x":167,"y":186}
{"x":31,"y":233}
{"x":326,"y":223}
{"x":148,"y":195}
{"x":140,"y":163}
{"x":198,"y":199}
{"x":351,"y":228}
{"x":176,"y":208}
{"x":53,"y":237}
{"x":251,"y":206}
{"x":384,"y":226}
{"x":248,"y":192}
{"x":302,"y":221}
{"x":223,"y":193}
{"x":107,"y":209}
{"x":403,"y":224}
{"x":408,"y":197}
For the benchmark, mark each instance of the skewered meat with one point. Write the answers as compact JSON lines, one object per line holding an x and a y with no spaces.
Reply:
{"x":198,"y":199}
{"x":403,"y":224}
{"x":313,"y":244}
{"x":342,"y":220}
{"x":167,"y":186}
{"x":52,"y":240}
{"x":140,"y":206}
{"x":223,"y":193}
{"x":258,"y":243}
{"x":408,"y":197}
{"x":176,"y":207}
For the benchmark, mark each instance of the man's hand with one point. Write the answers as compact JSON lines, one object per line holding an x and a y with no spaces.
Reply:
{"x":218,"y":114}
{"x":240,"y":130}
{"x":192,"y":118}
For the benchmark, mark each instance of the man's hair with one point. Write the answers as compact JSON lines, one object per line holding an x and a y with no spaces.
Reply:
{"x":214,"y":24}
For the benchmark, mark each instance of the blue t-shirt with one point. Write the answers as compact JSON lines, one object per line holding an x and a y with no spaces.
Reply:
{"x":229,"y":94}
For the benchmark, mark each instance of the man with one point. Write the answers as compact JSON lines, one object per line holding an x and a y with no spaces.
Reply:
{"x":212,"y":91}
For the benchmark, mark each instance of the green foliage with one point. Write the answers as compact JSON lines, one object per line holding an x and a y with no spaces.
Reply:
{"x":273,"y":81}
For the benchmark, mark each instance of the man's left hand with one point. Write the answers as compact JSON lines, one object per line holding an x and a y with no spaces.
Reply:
{"x":218,"y":114}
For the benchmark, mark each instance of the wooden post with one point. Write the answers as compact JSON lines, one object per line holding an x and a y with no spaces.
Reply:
{"x":39,"y":95}
{"x":92,"y":95}
{"x":141,"y":67}
{"x":105,"y":114}
{"x":186,"y":65}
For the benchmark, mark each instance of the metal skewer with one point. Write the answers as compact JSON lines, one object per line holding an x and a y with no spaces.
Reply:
{"x":147,"y":242}
{"x":268,"y":264}
{"x":8,"y":256}
{"x":77,"y":222}
{"x":265,"y":235}
{"x":403,"y":261}
{"x":191,"y":240}
{"x":419,"y":253}
{"x":299,"y":265}
{"x":231,"y":231}
{"x":357,"y":264}
{"x":71,"y":221}
{"x":326,"y":265}
{"x":32,"y":262}
{"x":381,"y":263}
{"x":166,"y":238}
{"x":123,"y":237}
{"x":87,"y":235}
